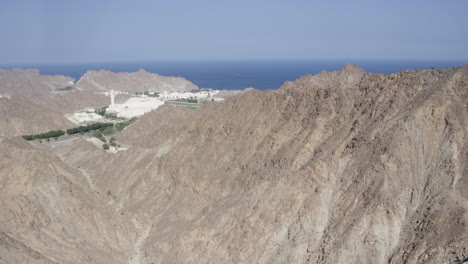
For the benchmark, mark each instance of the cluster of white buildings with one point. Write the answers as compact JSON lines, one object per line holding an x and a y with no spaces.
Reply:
{"x":204,"y":94}
{"x":140,"y":104}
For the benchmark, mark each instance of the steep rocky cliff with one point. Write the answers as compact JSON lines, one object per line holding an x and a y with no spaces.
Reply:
{"x":340,"y":167}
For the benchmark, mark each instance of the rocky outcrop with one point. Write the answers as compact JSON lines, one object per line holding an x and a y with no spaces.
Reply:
{"x":30,"y":82}
{"x":139,"y":81}
{"x":340,"y":167}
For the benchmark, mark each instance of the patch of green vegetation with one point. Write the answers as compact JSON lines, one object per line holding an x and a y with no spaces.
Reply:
{"x":65,"y":89}
{"x":115,"y":118}
{"x":47,"y":135}
{"x":101,"y":111}
{"x":206,"y":101}
{"x":100,"y":131}
{"x":106,"y":131}
{"x":188,"y":100}
{"x":98,"y":134}
{"x":199,"y":90}
{"x":90,"y":127}
{"x":105,"y":146}
{"x":151,"y":94}
{"x":191,"y":107}
{"x":111,"y":115}
{"x":120,"y":126}
{"x":113,"y":142}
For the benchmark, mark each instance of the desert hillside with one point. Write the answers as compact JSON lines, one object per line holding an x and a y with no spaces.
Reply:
{"x":132,"y":82}
{"x":30,"y":82}
{"x":339,"y":167}
{"x":20,"y":116}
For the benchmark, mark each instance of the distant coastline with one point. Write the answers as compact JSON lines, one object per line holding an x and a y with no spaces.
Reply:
{"x":237,"y":75}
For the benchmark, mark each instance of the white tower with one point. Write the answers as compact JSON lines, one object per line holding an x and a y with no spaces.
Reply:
{"x":112,"y":96}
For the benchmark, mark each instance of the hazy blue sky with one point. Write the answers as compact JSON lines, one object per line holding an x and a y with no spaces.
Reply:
{"x":52,"y":31}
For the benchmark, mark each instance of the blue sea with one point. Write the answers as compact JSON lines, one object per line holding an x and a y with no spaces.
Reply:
{"x":234,"y":75}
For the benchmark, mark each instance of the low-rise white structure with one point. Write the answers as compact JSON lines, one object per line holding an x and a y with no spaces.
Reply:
{"x":84,"y":117}
{"x":136,"y":106}
{"x":187,"y":95}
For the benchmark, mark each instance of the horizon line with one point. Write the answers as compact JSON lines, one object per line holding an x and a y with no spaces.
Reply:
{"x":343,"y":60}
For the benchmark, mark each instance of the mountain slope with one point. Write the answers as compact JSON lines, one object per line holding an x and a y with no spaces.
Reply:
{"x":132,"y":82}
{"x":49,"y":213}
{"x":30,"y":82}
{"x":20,"y":116}
{"x":340,"y":167}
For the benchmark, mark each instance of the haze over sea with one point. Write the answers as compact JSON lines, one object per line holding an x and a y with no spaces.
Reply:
{"x":235,"y":75}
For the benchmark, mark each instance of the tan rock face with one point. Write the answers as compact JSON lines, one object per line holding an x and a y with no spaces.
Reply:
{"x":51,"y":214}
{"x":341,"y":167}
{"x":139,"y":81}
{"x":30,"y":83}
{"x":20,"y":116}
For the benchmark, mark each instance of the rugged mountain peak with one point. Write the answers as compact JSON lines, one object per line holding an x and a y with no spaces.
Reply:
{"x":347,"y":77}
{"x":351,"y":68}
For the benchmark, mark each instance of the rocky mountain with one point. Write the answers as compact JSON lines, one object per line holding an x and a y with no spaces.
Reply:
{"x":339,"y":167}
{"x":30,"y":82}
{"x":139,"y":81}
{"x":29,"y":102}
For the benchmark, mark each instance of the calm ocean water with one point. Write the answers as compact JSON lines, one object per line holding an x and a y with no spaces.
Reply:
{"x":230,"y":75}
